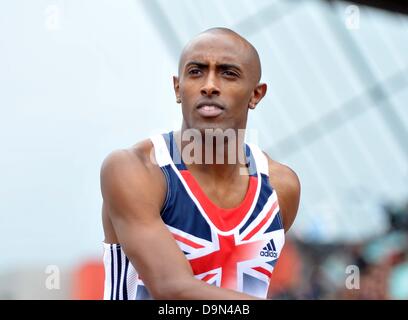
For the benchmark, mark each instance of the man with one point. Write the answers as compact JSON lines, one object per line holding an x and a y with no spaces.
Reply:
{"x":201,"y":227}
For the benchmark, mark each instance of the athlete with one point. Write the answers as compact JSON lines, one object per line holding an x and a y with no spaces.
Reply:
{"x":198,"y":213}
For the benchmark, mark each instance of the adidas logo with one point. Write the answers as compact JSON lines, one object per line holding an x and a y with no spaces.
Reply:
{"x":269,"y":250}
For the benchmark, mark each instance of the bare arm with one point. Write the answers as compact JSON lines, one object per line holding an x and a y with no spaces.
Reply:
{"x":287,"y":185}
{"x":129,"y":189}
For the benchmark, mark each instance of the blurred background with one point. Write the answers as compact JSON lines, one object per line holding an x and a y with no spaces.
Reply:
{"x":79,"y":79}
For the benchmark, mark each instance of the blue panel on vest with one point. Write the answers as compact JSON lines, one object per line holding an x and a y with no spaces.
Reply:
{"x":276,"y":224}
{"x":181,"y":212}
{"x":272,"y":263}
{"x":251,"y":164}
{"x":265,"y":193}
{"x":254,"y":286}
{"x":142,"y":293}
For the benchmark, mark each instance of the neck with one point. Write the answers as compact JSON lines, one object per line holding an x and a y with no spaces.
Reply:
{"x":220,"y":153}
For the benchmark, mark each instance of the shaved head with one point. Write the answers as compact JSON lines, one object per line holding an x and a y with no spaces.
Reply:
{"x":219,"y":70}
{"x":244,"y":45}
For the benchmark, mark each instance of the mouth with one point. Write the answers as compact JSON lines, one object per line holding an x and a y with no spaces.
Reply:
{"x":209,"y":109}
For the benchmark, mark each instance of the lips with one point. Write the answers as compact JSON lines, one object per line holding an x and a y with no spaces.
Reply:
{"x":209,"y":110}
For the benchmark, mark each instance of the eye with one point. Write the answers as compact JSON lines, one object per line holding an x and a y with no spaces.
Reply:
{"x":230,"y":74}
{"x":194,"y":72}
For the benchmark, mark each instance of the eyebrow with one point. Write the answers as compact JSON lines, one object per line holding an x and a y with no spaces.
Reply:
{"x":222,"y":66}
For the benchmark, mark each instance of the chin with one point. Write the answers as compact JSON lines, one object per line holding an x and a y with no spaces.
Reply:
{"x":211,"y":126}
{"x":202,"y":124}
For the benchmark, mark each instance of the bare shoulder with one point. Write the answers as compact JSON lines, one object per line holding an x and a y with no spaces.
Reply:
{"x":136,"y":157}
{"x":287,"y":185}
{"x":131,"y":174}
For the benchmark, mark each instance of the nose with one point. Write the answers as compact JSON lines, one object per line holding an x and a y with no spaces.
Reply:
{"x":210,"y":87}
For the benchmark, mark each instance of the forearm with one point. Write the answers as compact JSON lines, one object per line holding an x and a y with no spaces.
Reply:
{"x":194,"y":289}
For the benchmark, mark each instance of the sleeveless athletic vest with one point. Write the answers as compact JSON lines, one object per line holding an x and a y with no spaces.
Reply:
{"x":233,"y":248}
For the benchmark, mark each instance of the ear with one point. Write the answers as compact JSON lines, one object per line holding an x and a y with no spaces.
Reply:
{"x":257,"y":95}
{"x":176,"y":86}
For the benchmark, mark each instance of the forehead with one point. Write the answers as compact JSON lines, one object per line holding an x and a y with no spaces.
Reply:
{"x":217,"y":48}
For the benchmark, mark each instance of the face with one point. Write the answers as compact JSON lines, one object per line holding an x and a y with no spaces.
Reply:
{"x":218,"y":82}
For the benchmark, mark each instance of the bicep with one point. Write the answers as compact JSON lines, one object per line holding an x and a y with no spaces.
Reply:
{"x":289,"y":198}
{"x":287,"y":185}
